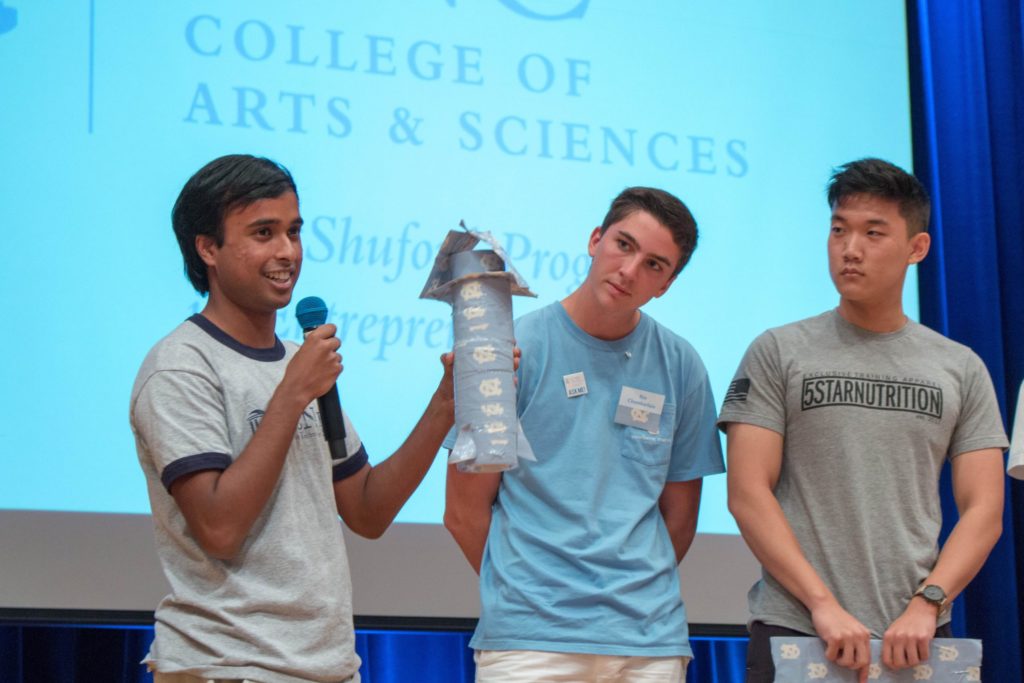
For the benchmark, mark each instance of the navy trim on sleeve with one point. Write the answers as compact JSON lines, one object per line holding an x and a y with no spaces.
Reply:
{"x":193,"y":463}
{"x":274,"y":353}
{"x":350,"y":465}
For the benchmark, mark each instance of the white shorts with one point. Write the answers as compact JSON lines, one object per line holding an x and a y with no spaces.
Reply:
{"x":533,"y":666}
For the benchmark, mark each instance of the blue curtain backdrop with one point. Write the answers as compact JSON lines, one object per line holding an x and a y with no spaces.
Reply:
{"x":967,"y":73}
{"x":967,"y":67}
{"x":91,"y":654}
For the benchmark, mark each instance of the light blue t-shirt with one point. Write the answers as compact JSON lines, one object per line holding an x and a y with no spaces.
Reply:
{"x":578,"y":558}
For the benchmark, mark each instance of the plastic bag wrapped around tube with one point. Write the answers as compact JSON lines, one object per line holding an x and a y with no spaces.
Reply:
{"x":479,"y":285}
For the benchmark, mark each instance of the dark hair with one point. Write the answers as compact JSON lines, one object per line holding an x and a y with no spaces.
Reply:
{"x":666,"y":208}
{"x":222,"y":186}
{"x":879,"y":178}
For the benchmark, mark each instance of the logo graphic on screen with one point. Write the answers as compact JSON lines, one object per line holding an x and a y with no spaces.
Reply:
{"x":8,"y":18}
{"x":545,"y":10}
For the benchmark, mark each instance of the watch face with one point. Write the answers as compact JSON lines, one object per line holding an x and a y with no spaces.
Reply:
{"x":933,"y":594}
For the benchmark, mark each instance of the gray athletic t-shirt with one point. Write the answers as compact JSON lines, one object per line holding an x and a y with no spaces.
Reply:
{"x":868,"y":420}
{"x":281,"y":611}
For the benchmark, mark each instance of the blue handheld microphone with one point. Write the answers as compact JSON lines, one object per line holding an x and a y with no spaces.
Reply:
{"x":311,"y":313}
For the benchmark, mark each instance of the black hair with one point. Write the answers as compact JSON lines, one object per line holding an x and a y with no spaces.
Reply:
{"x":224,"y":185}
{"x":879,"y":178}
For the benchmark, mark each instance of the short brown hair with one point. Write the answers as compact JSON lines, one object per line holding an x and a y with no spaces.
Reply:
{"x":666,"y":208}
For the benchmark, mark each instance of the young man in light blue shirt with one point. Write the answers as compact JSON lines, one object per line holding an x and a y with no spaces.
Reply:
{"x":577,"y":552}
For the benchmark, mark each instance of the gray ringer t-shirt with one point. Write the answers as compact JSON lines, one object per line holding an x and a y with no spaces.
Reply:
{"x":868,"y":420}
{"x":281,"y":611}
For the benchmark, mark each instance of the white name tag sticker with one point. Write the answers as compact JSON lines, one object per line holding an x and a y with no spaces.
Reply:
{"x":575,"y":384}
{"x":640,"y":409}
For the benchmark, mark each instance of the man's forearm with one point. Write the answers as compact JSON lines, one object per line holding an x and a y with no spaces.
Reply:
{"x":682,"y":539}
{"x":469,"y":501}
{"x":679,"y":505}
{"x":978,"y":486}
{"x":388,"y":485}
{"x":966,"y":550}
{"x":470,"y":533}
{"x":766,"y":531}
{"x":221,"y":507}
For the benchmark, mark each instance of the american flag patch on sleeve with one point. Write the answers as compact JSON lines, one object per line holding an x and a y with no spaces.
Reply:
{"x":738,"y":390}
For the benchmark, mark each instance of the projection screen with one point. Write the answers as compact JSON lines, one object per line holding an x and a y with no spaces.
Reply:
{"x":398,"y":120}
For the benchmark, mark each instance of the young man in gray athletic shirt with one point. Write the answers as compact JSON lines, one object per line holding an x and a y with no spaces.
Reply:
{"x":838,"y":427}
{"x":244,"y":491}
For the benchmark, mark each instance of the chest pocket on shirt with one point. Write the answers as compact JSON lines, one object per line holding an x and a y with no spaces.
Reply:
{"x":651,"y":449}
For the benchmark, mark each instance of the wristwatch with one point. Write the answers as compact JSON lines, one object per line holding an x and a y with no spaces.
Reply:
{"x":935,"y":595}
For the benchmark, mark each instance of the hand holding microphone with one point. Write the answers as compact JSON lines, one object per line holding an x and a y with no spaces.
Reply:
{"x":311,"y":313}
